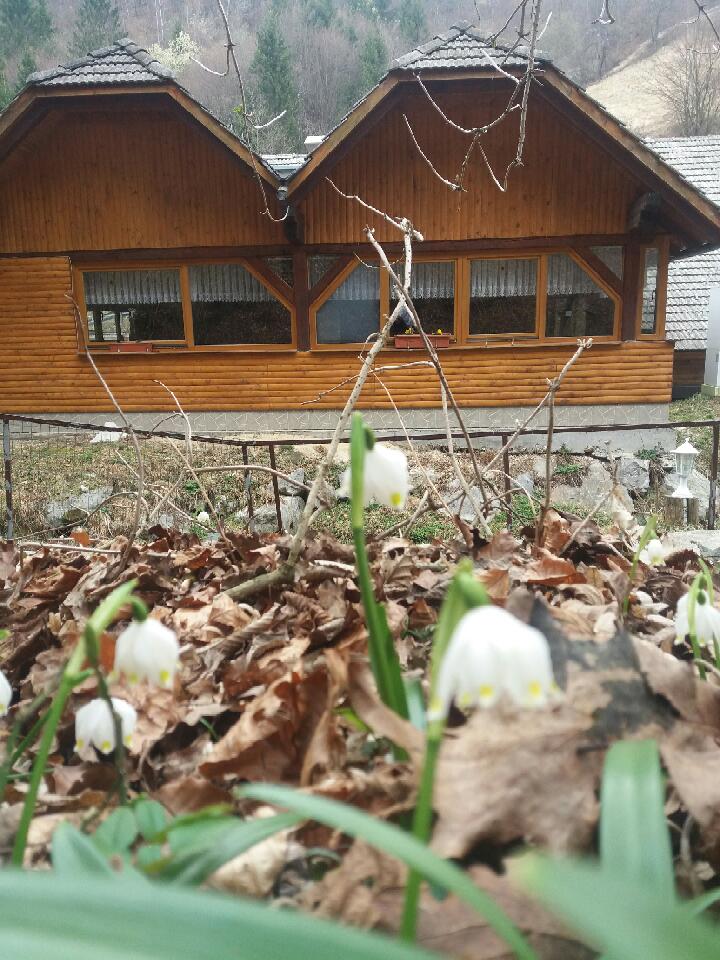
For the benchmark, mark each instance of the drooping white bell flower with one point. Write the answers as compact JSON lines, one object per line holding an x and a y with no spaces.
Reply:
{"x":5,"y":694}
{"x":654,"y":553}
{"x":385,"y":477}
{"x":94,"y":724}
{"x":147,"y":650}
{"x":707,"y":620}
{"x":491,"y":653}
{"x":204,"y":518}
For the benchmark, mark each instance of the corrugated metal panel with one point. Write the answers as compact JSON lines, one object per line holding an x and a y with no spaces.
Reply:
{"x":565,"y":276}
{"x":503,"y":278}
{"x":129,"y":287}
{"x":226,"y":283}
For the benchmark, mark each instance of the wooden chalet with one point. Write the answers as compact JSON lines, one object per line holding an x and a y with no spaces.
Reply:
{"x":122,"y":195}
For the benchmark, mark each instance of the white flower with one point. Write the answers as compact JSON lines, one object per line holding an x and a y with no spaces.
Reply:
{"x":147,"y":650}
{"x":5,"y":694}
{"x":492,"y":653}
{"x":707,"y":619}
{"x":653,"y":554}
{"x":94,"y":724}
{"x":204,"y":517}
{"x":385,"y":479}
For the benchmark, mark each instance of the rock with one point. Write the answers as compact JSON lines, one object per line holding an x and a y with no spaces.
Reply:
{"x":704,"y":542}
{"x":418,"y":482}
{"x":467,"y":504}
{"x":633,"y":473}
{"x":73,"y":510}
{"x":327,"y":495}
{"x":288,"y":489}
{"x":265,"y":517}
{"x":595,"y":483}
{"x":527,"y":482}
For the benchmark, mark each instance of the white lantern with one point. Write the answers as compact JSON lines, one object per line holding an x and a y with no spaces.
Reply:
{"x":684,"y":461}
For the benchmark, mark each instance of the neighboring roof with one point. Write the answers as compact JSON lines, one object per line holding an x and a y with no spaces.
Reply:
{"x":688,"y":299}
{"x":284,"y":165}
{"x":123,"y":62}
{"x":462,"y":47}
{"x":696,"y":158}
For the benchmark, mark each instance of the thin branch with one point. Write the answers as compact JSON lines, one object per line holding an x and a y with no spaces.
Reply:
{"x":397,"y":223}
{"x":452,"y":184}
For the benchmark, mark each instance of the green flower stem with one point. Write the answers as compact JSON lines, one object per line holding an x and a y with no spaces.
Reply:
{"x":422,"y":823}
{"x":68,"y":681}
{"x":649,"y":531}
{"x":697,"y":585}
{"x":13,"y":749}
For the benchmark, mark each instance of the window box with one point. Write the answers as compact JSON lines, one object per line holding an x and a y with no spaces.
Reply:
{"x":131,"y":347}
{"x":413,"y":341}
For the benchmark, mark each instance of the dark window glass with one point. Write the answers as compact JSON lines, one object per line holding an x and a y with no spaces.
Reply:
{"x":432,"y":288}
{"x":612,"y":257}
{"x":576,"y":305}
{"x":502,"y":296}
{"x":318,"y":266}
{"x":229,"y":305}
{"x":648,"y":322}
{"x":352,"y":312}
{"x":283,"y":267}
{"x":127,"y":305}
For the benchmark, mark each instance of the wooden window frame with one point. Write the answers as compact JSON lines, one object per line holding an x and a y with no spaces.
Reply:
{"x":330,"y":289}
{"x":188,"y":344}
{"x":662,"y":245}
{"x":480,"y":339}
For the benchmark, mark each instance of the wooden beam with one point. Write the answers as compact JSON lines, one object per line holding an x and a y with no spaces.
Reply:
{"x":302,"y":299}
{"x":328,"y":278}
{"x":593,"y":261}
{"x":631,"y":291}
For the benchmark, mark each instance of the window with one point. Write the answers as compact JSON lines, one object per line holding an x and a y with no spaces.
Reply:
{"x":352,"y":312}
{"x":432,"y":288}
{"x":648,"y":320}
{"x":132,"y":305}
{"x":318,"y":265}
{"x":282,"y":267}
{"x":576,"y":305}
{"x":230,"y":305}
{"x":503,"y":297}
{"x":612,"y":257}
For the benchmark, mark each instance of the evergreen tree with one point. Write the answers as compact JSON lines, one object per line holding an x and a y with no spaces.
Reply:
{"x":275,"y":87}
{"x":5,"y":91}
{"x":97,"y":25}
{"x":319,"y":12}
{"x":412,"y":22}
{"x":373,"y":61}
{"x":26,"y":66}
{"x":24,"y":25}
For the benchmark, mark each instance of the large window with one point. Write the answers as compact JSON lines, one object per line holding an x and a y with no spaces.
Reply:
{"x":133,"y":305}
{"x":503,"y":297}
{"x":352,"y":311}
{"x":432,"y":287}
{"x":577,"y":306}
{"x":229,"y":305}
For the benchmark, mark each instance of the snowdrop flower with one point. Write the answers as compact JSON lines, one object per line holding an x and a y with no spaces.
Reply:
{"x":204,"y":517}
{"x":653,"y":554}
{"x":385,"y":479}
{"x":707,"y":619}
{"x":5,"y":694}
{"x":94,"y":724}
{"x":491,"y":653}
{"x":147,"y":650}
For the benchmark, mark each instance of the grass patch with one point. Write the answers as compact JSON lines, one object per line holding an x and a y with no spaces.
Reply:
{"x":698,"y":407}
{"x":429,"y":527}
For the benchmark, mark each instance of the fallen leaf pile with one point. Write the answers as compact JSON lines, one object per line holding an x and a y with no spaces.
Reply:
{"x":273,"y":690}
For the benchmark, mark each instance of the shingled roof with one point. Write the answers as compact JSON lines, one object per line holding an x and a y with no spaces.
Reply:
{"x":462,"y":46}
{"x":690,"y":280}
{"x":124,"y":62}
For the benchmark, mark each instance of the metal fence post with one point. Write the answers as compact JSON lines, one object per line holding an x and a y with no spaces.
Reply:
{"x":713,"y":475}
{"x":7,"y":462}
{"x":247,"y":483}
{"x":276,"y":488}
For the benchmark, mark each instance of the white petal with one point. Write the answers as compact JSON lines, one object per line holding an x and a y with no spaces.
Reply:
{"x":87,"y":720}
{"x":682,"y":625}
{"x":125,"y":652}
{"x":155,"y":654}
{"x":128,"y":717}
{"x":5,"y":694}
{"x":529,"y":675}
{"x":386,"y":476}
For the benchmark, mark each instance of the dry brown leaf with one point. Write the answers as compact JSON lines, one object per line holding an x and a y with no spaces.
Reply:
{"x":548,"y":570}
{"x":383,"y":721}
{"x":496,"y":581}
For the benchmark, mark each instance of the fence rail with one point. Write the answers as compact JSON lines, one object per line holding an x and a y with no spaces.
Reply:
{"x":271,"y":446}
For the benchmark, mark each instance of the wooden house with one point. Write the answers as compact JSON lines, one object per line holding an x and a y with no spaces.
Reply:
{"x":132,"y":225}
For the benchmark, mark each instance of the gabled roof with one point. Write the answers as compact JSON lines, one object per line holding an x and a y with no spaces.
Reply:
{"x":696,"y":158}
{"x":122,"y":67}
{"x":462,"y":47}
{"x":284,"y":165}
{"x":123,"y":62}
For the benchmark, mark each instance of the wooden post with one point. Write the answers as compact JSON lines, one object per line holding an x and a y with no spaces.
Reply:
{"x":693,"y":512}
{"x":675,"y":511}
{"x":302,"y":300}
{"x":7,"y":461}
{"x":713,"y":475}
{"x":247,"y":483}
{"x":631,"y":290}
{"x":506,"y":479}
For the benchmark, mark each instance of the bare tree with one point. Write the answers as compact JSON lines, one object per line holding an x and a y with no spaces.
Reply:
{"x":689,"y":84}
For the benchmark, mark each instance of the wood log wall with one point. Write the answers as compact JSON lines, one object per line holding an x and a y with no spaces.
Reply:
{"x":41,"y":369}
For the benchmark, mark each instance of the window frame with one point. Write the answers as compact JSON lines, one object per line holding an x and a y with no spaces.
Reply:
{"x":187,"y":345}
{"x":477,"y":339}
{"x":330,"y":289}
{"x":662,"y":245}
